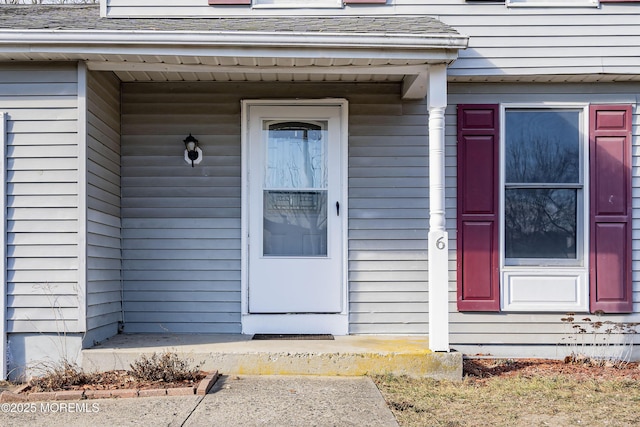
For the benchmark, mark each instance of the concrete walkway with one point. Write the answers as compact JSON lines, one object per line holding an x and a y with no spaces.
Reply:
{"x":233,"y":401}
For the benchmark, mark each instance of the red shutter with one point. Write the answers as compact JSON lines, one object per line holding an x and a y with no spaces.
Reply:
{"x":229,"y":1}
{"x":477,"y":242}
{"x":610,"y":249}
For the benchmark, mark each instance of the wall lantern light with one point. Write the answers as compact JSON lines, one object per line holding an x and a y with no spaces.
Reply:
{"x":192,"y":152}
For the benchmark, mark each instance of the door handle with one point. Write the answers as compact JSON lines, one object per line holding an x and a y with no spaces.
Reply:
{"x":338,"y":208}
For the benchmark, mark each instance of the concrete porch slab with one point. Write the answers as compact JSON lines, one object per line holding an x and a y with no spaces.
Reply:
{"x":351,"y":355}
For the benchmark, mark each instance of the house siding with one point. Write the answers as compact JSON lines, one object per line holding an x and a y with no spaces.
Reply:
{"x":503,"y":40}
{"x":388,"y":215}
{"x":104,"y":285}
{"x":42,"y":197}
{"x":181,"y":225}
{"x":473,"y":331}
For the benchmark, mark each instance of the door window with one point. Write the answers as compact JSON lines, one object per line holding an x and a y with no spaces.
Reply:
{"x":295,"y":189}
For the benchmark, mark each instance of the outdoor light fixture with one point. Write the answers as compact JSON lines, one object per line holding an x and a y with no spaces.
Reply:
{"x":192,"y":153}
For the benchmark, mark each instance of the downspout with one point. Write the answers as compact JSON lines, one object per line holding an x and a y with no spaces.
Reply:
{"x":438,"y":236}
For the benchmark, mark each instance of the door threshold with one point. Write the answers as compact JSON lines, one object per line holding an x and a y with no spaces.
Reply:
{"x":286,"y":324}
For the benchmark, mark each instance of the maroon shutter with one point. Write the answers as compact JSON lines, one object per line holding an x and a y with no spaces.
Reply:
{"x":610,"y":249}
{"x":478,"y":247}
{"x":229,"y":1}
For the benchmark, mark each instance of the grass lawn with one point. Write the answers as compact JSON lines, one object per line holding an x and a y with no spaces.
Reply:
{"x":519,"y":394}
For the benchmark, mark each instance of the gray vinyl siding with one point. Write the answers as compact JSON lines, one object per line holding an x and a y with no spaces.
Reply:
{"x":104,"y":285}
{"x":388,"y":215}
{"x":513,"y":329}
{"x":545,"y":41}
{"x":181,"y":225}
{"x":503,"y":40}
{"x":42,"y":197}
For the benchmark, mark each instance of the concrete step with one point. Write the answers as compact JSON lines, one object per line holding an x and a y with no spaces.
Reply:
{"x":351,"y":355}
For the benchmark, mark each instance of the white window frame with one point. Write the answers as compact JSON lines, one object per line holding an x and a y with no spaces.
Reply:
{"x":552,"y":3}
{"x":275,"y":4}
{"x":563,"y":284}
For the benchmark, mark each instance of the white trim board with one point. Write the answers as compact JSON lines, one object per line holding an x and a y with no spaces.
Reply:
{"x":3,"y":248}
{"x":335,"y":324}
{"x":82,"y":197}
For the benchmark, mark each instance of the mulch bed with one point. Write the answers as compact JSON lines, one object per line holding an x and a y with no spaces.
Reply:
{"x":118,"y":380}
{"x":113,"y":384}
{"x":484,"y":368}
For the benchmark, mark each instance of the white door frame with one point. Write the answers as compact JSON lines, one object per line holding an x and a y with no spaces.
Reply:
{"x":338,"y":323}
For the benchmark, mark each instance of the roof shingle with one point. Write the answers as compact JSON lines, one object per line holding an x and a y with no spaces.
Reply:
{"x":87,"y":17}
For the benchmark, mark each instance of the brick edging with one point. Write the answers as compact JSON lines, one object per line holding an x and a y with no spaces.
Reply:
{"x":201,"y":389}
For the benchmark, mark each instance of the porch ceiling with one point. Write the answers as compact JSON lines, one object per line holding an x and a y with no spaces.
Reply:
{"x":291,"y":49}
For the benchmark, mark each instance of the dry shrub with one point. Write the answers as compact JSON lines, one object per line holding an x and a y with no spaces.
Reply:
{"x":60,"y":376}
{"x":599,"y":342}
{"x":166,"y":367}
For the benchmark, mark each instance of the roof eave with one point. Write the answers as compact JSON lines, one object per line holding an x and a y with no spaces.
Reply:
{"x":407,"y":55}
{"x":324,"y":41}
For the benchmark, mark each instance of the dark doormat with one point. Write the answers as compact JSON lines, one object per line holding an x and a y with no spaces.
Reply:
{"x":292,"y":337}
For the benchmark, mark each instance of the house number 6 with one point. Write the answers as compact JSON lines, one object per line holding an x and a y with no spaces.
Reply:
{"x":440,"y":243}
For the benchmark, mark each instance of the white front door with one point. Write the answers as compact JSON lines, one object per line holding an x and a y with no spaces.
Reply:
{"x":295,"y":216}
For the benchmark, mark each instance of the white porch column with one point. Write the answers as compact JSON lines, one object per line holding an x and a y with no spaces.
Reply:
{"x":438,"y":236}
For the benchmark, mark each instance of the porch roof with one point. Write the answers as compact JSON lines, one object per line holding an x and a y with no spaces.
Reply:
{"x":294,"y":48}
{"x":87,"y":17}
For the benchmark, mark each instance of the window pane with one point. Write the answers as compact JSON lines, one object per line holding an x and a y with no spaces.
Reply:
{"x":296,"y":155}
{"x":295,"y":195}
{"x":540,"y":223}
{"x":295,"y":223}
{"x":542,"y":146}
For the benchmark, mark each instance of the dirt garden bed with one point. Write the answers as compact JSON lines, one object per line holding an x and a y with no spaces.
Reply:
{"x":156,"y":375}
{"x":482,"y":369}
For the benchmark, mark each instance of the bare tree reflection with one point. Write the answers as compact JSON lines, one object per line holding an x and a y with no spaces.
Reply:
{"x":295,"y":197}
{"x":542,"y":177}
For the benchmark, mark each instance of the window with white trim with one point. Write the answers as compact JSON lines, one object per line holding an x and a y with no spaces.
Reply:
{"x":297,"y":3}
{"x":552,"y":3}
{"x":543,"y":186}
{"x":544,"y":209}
